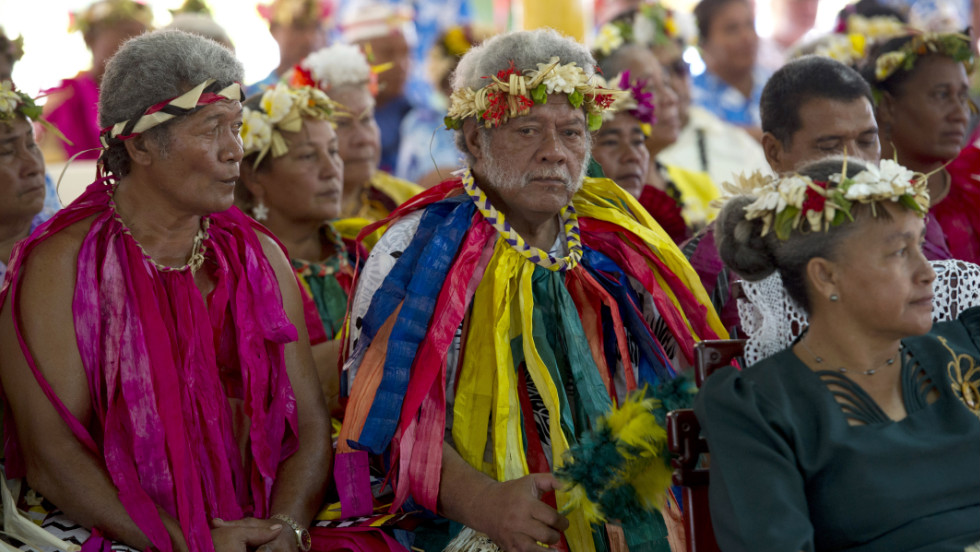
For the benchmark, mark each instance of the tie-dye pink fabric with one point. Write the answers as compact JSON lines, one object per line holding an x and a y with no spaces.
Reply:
{"x":160,"y":358}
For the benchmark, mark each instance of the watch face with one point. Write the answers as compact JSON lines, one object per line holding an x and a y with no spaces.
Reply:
{"x":305,"y":541}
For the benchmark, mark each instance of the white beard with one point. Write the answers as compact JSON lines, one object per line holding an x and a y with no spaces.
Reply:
{"x":505,"y":176}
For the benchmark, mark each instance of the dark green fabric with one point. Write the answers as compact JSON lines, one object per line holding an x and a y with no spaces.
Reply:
{"x":595,"y":169}
{"x":328,"y":296}
{"x":789,"y":473}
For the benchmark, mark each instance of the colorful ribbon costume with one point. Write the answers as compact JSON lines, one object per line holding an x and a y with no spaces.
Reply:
{"x":571,"y":330}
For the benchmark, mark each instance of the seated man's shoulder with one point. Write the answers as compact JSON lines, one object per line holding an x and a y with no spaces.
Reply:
{"x":398,"y":234}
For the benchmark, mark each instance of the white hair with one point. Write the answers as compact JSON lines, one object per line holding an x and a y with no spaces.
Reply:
{"x":526,"y":49}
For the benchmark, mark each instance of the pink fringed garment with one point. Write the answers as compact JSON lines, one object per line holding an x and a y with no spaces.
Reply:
{"x":159,"y":358}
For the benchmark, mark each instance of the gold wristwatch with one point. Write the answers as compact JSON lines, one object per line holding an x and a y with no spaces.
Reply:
{"x":303,"y":540}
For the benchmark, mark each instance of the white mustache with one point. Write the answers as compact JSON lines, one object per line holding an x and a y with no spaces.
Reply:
{"x":558,"y":173}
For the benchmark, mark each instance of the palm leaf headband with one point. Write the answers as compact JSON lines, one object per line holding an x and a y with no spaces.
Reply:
{"x":14,"y":103}
{"x":512,"y":94}
{"x":282,"y":108}
{"x":954,"y":45}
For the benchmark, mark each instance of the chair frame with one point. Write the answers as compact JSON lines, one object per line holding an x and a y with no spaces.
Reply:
{"x":687,"y":447}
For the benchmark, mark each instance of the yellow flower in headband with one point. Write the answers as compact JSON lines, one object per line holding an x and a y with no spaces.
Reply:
{"x":282,"y":109}
{"x":609,"y":38}
{"x":256,"y":130}
{"x":888,"y":64}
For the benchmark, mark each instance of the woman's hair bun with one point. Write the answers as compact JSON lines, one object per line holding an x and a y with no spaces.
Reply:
{"x":739,"y":241}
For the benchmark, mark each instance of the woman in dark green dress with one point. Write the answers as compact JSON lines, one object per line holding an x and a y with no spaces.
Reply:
{"x":864,"y":435}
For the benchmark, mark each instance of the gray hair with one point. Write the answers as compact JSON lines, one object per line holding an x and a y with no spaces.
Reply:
{"x":753,"y":256}
{"x":156,"y":67}
{"x":526,"y":49}
{"x":623,"y":58}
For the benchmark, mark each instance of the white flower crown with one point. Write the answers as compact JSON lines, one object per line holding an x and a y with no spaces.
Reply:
{"x":798,"y":202}
{"x":511,"y":94}
{"x":282,"y":108}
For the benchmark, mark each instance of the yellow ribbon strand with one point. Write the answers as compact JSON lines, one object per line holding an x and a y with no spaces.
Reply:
{"x":602,"y":199}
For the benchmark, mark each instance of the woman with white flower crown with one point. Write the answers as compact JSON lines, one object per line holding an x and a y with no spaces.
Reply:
{"x":921,"y":87}
{"x":370,"y":194}
{"x":291,"y":181}
{"x":865,"y":433}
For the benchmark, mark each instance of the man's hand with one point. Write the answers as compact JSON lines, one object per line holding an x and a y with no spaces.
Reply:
{"x":514,"y":516}
{"x":285,"y":542}
{"x":246,"y":534}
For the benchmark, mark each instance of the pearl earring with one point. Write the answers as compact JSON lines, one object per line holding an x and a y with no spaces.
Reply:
{"x":834,"y":297}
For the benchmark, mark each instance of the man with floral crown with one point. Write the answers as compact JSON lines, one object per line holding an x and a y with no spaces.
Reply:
{"x":505,"y":310}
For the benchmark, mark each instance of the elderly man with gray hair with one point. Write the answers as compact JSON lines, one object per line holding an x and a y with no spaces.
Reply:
{"x":505,"y":310}
{"x":153,"y":351}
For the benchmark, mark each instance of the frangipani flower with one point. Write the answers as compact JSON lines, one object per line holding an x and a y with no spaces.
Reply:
{"x":562,"y":79}
{"x":786,"y":203}
{"x":256,"y":131}
{"x":512,"y":94}
{"x":608,"y":39}
{"x":277,"y":102}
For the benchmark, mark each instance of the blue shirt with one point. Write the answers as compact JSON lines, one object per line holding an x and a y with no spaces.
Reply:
{"x":389,"y":118}
{"x":726,"y":101}
{"x":426,"y":144}
{"x":270,"y":80}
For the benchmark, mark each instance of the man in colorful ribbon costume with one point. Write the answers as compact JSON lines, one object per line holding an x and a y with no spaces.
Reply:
{"x":503,"y":311}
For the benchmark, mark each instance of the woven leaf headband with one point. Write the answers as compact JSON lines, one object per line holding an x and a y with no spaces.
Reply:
{"x":797,"y":202}
{"x":651,"y":25}
{"x":511,"y":94}
{"x":14,"y":103}
{"x":954,"y":45}
{"x":283,"y":108}
{"x":203,"y":94}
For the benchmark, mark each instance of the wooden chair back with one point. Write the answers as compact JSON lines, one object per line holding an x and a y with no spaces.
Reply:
{"x":689,"y":449}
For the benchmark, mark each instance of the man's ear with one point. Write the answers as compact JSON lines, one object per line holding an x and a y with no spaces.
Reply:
{"x":471,"y":135}
{"x":773,"y":148}
{"x":140,"y":151}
